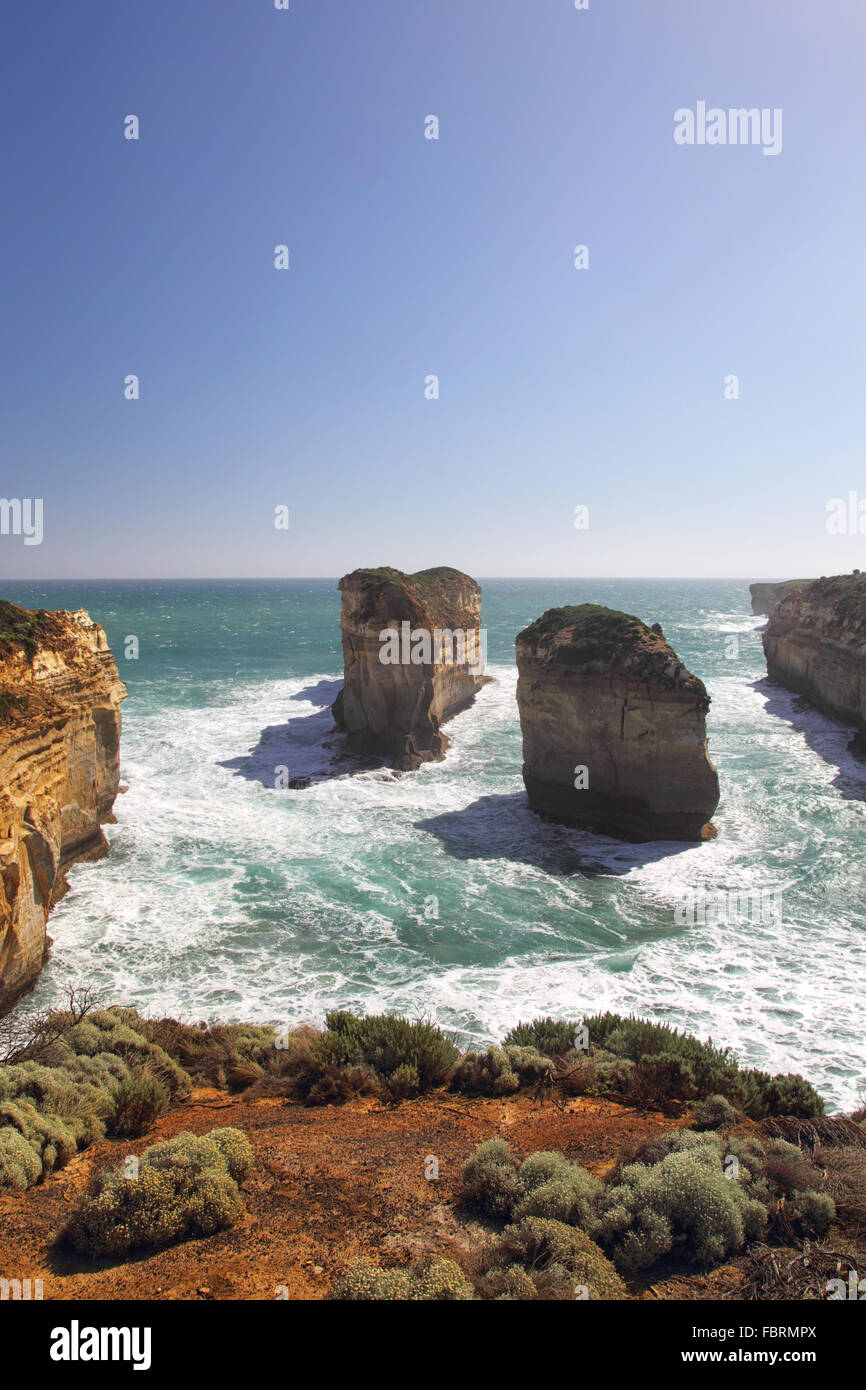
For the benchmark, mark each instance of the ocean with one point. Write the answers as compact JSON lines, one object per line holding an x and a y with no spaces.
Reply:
{"x":439,"y":893}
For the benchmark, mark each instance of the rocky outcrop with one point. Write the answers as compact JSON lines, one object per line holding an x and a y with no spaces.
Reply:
{"x":614,"y":733}
{"x":815,"y":645}
{"x":412,"y":658}
{"x":765,"y":596}
{"x":60,"y":700}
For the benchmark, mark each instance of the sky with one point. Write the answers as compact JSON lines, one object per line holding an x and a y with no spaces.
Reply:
{"x":307,"y":388}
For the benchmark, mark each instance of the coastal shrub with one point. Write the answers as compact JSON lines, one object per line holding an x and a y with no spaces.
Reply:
{"x":78,"y":1073}
{"x":682,"y":1204}
{"x":441,"y":1280}
{"x":20,"y":1162}
{"x":501,"y":1071}
{"x":713,"y":1070}
{"x":553,"y":1037}
{"x":661,"y":1078}
{"x":614,"y":1075}
{"x":403,"y":1082}
{"x":715,"y":1112}
{"x":363,"y":1282}
{"x":385,"y":1042}
{"x":435,"y":1279}
{"x":546,"y":1184}
{"x":184,"y":1187}
{"x":558,"y":1259}
{"x":556,"y":1189}
{"x":845,"y":1170}
{"x":334,"y":1084}
{"x":511,"y":1283}
{"x":789,"y":1094}
{"x":487,"y":1073}
{"x":528,"y":1064}
{"x":236,"y":1151}
{"x":137,"y":1104}
{"x":490,"y":1184}
{"x":229,"y":1055}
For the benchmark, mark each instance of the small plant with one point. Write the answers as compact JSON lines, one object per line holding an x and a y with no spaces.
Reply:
{"x":716,"y":1112}
{"x":490,"y":1181}
{"x":682,"y":1204}
{"x":384,"y":1043}
{"x":487,"y":1073}
{"x":661,"y":1078}
{"x":184,"y":1187}
{"x":430,"y":1280}
{"x":403,"y":1082}
{"x":551,"y":1036}
{"x":556,"y":1189}
{"x":558,"y":1259}
{"x":138,"y":1102}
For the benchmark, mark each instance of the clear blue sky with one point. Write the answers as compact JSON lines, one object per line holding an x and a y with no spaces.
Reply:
{"x":411,"y":257}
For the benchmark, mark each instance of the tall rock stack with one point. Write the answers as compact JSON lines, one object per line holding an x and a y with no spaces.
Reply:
{"x":412,"y":658}
{"x":614,"y":727}
{"x":60,"y":697}
{"x":815,"y":645}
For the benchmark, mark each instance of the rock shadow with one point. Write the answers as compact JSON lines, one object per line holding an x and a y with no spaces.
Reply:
{"x":309,"y":746}
{"x":504,"y":827}
{"x":826,"y":736}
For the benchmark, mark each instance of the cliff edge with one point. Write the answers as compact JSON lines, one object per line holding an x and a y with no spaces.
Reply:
{"x":614,"y":727}
{"x":815,"y":645}
{"x":765,"y":596}
{"x":60,"y":697}
{"x":412,"y":656}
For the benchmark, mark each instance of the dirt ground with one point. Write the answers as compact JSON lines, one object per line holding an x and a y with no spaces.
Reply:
{"x":329,"y":1183}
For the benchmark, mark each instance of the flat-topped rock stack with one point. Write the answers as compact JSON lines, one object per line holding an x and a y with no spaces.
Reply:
{"x":614,"y":727}
{"x":412,"y":657}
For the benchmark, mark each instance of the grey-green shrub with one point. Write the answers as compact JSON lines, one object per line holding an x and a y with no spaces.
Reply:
{"x":236,"y":1150}
{"x":184,"y":1187}
{"x":137,"y":1103}
{"x":554,"y":1037}
{"x":683,"y":1205}
{"x":104,"y":1073}
{"x":715,"y":1112}
{"x":487,"y":1073}
{"x":556,"y":1189}
{"x":557,"y":1258}
{"x":435,"y":1279}
{"x":490,"y":1183}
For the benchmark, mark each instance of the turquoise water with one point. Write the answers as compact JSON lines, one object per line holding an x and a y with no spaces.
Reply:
{"x":439,"y":892}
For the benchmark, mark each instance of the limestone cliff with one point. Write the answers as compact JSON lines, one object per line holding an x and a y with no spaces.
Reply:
{"x":815,"y":645}
{"x":60,"y":700}
{"x":765,"y":596}
{"x":412,"y":658}
{"x":614,"y":733}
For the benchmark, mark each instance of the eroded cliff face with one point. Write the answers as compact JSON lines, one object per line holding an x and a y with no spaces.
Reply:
{"x":412,"y":658}
{"x":614,"y":728}
{"x":815,"y":645}
{"x":765,"y":596}
{"x":60,"y":697}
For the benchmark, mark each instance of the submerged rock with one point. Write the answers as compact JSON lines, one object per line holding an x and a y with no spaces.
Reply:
{"x":614,"y":727}
{"x":815,"y":645}
{"x":60,"y":697}
{"x":413,"y":656}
